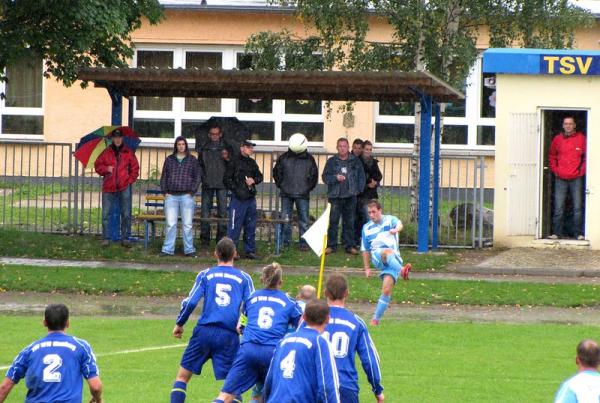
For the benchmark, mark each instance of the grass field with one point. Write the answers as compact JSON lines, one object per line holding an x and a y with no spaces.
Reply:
{"x":421,"y":361}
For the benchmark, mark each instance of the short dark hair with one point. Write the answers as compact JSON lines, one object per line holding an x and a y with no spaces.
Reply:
{"x":341,"y":139}
{"x":271,"y":275}
{"x":569,"y":117}
{"x":178,"y":139}
{"x":358,"y":141}
{"x":56,"y":316}
{"x":215,"y":126}
{"x":367,"y":143}
{"x":336,"y":286}
{"x":225,"y":250}
{"x":316,"y":312}
{"x":374,"y":202}
{"x":588,"y":353}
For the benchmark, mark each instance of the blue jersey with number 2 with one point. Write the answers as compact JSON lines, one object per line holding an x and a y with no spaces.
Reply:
{"x":54,"y":368}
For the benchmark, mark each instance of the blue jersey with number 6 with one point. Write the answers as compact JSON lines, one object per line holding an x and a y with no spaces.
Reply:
{"x":224,"y":288}
{"x":54,"y":368}
{"x":269,"y":313}
{"x":302,"y":370}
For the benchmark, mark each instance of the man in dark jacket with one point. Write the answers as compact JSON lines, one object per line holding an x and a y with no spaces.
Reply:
{"x":212,"y":164}
{"x":296,"y":175}
{"x":241,"y":177}
{"x":179,"y":182}
{"x":345,"y":179}
{"x":119,"y":168}
{"x":373,"y":177}
{"x":567,"y":162}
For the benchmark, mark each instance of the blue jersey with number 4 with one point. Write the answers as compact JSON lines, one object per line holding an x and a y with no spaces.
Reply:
{"x":224,"y":288}
{"x":348,"y":336}
{"x":302,"y":370}
{"x":54,"y":368}
{"x":269,"y":313}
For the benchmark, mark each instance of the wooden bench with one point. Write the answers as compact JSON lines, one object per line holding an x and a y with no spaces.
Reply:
{"x":155,"y":203}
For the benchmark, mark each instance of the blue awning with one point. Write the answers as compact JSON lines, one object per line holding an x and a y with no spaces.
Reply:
{"x":542,"y":61}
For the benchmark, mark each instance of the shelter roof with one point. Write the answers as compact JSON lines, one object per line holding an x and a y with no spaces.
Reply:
{"x":253,"y":84}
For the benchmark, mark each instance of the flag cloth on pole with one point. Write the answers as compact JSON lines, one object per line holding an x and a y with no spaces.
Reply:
{"x":314,"y":235}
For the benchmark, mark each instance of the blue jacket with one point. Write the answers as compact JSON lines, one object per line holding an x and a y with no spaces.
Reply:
{"x":355,"y":177}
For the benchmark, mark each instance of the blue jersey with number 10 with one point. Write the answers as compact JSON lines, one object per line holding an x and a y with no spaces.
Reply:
{"x":224,"y":288}
{"x":54,"y":368}
{"x":269,"y":313}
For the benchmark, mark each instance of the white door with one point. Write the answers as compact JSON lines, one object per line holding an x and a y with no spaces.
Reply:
{"x":523,"y":188}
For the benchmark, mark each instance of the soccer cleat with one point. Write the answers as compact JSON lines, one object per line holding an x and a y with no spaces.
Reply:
{"x":405,"y":271}
{"x":580,"y":238}
{"x":553,"y":236}
{"x":374,"y":322}
{"x":329,"y":250}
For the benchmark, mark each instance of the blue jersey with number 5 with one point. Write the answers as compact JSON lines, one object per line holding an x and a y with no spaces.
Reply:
{"x":54,"y":368}
{"x":224,"y":288}
{"x":302,"y":370}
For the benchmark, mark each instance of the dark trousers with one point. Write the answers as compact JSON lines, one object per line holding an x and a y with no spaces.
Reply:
{"x":206,"y":206}
{"x":109,"y":202}
{"x":242,"y":214}
{"x":575,"y":188}
{"x":287,"y":204}
{"x":344,"y":208}
{"x":362,"y":217}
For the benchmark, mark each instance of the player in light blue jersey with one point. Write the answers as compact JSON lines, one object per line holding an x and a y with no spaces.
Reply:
{"x":379,"y":242}
{"x":303,"y":368}
{"x":585,"y":386}
{"x":53,"y":366}
{"x":215,"y":336}
{"x":348,"y":336}
{"x":269,"y":313}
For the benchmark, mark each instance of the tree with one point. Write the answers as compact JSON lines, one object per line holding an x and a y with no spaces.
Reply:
{"x":439,"y":36}
{"x":69,"y":35}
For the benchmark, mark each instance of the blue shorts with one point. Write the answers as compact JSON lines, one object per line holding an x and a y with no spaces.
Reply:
{"x":250,"y":367}
{"x":211,"y":342}
{"x":386,"y":269}
{"x":348,"y":395}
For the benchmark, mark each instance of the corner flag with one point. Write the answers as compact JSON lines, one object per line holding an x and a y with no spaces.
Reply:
{"x":314,"y":235}
{"x":316,"y":238}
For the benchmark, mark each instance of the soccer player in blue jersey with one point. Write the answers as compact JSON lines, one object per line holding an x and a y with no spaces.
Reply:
{"x":585,"y":386}
{"x":303,"y":367}
{"x":270,"y":312}
{"x":53,"y":366}
{"x":348,"y":336}
{"x":379,"y":242}
{"x":215,"y":337}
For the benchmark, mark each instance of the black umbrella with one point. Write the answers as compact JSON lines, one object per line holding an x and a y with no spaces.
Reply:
{"x":234,"y":132}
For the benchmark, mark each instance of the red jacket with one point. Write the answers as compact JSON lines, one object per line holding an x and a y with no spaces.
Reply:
{"x":125,"y":168}
{"x":567,"y":155}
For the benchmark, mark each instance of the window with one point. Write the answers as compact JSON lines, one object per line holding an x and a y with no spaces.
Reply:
{"x":488,"y":95}
{"x":244,"y":62}
{"x":394,"y":133}
{"x":203,"y":60}
{"x":21,"y":112}
{"x":150,"y":60}
{"x":454,"y":135}
{"x":486,"y":135}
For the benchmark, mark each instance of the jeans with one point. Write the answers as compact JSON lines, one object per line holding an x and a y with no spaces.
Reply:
{"x":346,"y":209}
{"x":207,"y":203}
{"x":561,"y":187}
{"x":242,"y":214}
{"x":173,"y":205}
{"x":123,"y":200}
{"x":287,"y":204}
{"x":362,"y":217}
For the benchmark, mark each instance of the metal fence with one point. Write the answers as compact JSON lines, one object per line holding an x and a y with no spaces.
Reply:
{"x":43,"y":188}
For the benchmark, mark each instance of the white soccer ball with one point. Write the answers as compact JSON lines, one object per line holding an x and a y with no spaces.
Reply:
{"x":298,"y":143}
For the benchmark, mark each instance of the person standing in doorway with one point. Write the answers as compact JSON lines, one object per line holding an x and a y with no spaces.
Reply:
{"x":213,"y":164}
{"x":344,"y":176}
{"x":567,"y":159}
{"x":179,"y":182}
{"x":241,"y":178}
{"x":119,"y":169}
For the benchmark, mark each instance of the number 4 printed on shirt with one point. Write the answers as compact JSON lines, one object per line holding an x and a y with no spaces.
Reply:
{"x":288,"y":365}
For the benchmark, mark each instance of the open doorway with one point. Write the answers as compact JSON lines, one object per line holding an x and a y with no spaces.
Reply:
{"x":552,"y":125}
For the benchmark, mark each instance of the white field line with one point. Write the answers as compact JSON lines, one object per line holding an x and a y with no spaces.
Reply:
{"x":132,"y":351}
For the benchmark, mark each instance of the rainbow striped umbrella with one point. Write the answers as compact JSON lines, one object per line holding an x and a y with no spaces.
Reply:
{"x":91,"y":145}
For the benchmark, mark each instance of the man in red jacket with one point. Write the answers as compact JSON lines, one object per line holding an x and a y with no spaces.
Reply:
{"x":119,"y":167}
{"x":567,"y":162}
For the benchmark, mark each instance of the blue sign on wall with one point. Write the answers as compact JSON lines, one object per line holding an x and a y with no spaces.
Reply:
{"x":541,"y":61}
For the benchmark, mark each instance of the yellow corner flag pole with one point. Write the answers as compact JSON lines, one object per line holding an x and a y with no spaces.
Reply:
{"x":322,"y":268}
